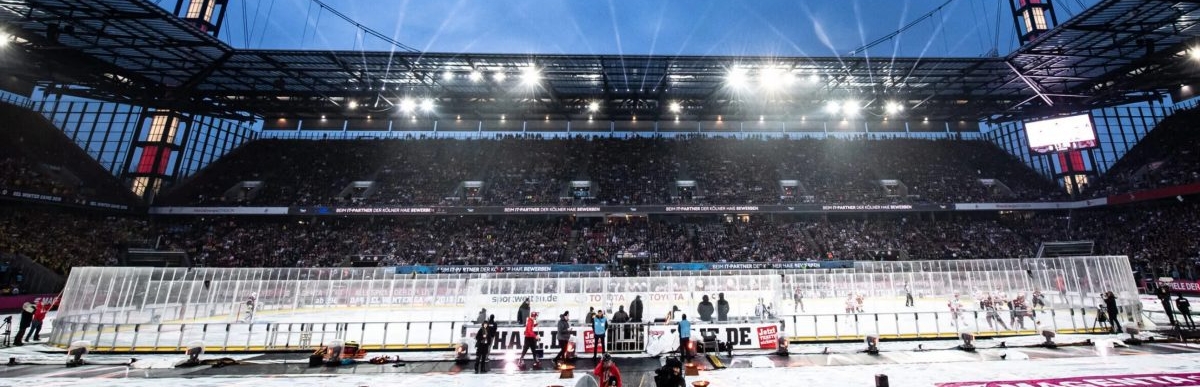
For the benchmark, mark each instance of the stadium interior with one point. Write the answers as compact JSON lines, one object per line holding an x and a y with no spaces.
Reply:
{"x":132,"y":135}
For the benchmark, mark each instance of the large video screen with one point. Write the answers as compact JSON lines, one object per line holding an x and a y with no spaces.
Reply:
{"x":1061,"y":134}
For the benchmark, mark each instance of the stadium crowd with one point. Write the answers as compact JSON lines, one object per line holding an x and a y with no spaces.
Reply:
{"x":1168,"y":156}
{"x":1161,"y":237}
{"x":35,"y":157}
{"x":623,"y":171}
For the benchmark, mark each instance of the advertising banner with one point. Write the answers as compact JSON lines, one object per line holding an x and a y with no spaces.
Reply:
{"x":219,"y":210}
{"x":1185,"y":286}
{"x":13,"y":303}
{"x":1158,"y":193}
{"x":45,"y":198}
{"x":1030,"y":206}
{"x":421,"y":269}
{"x":600,"y":210}
{"x":662,"y":338}
{"x":797,"y":265}
{"x":1146,"y":380}
{"x":512,"y":338}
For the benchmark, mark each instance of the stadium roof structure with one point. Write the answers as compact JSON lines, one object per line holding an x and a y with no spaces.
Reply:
{"x":1116,"y":52}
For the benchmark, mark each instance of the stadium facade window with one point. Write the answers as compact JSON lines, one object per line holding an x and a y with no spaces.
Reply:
{"x":105,"y":131}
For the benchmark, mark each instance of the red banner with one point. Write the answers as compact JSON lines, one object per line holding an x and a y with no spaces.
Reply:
{"x":1152,"y":194}
{"x":1144,"y":380}
{"x":768,"y":336}
{"x":13,"y":303}
{"x":589,"y":342}
{"x":1185,"y":286}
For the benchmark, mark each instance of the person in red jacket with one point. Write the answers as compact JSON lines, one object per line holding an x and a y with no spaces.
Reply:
{"x":39,"y":315}
{"x":531,"y":338}
{"x":607,"y":374}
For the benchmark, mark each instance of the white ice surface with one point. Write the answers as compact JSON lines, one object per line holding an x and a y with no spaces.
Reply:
{"x":914,"y":372}
{"x":900,"y":375}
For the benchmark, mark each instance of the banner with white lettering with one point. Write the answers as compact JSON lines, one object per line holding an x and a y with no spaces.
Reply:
{"x":1185,"y":286}
{"x":663,"y":338}
{"x":456,"y":269}
{"x":219,"y":210}
{"x":1030,"y":206}
{"x":1144,"y":380}
{"x":77,"y":201}
{"x":512,"y":338}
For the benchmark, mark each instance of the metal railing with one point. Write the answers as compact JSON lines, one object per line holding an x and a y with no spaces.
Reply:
{"x":925,"y":324}
{"x":258,"y":337}
{"x":629,"y":338}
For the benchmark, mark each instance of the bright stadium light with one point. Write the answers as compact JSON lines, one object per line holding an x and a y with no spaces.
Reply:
{"x":814,"y":79}
{"x":447,"y":75}
{"x":475,"y":76}
{"x":851,"y":108}
{"x":893,"y":107}
{"x":774,"y":78}
{"x":4,"y":38}
{"x":530,"y":75}
{"x":427,"y":105}
{"x":833,"y":107}
{"x":407,"y":105}
{"x":353,"y":104}
{"x":737,"y":77}
{"x":500,"y":76}
{"x":675,"y":107}
{"x":594,"y":106}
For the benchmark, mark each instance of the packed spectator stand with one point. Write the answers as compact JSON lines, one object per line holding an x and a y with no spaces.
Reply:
{"x":1160,"y":237}
{"x":623,"y":171}
{"x":36,"y":157}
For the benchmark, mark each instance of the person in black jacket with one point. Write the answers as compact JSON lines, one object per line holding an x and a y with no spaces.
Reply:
{"x":523,"y":312}
{"x":26,"y":320}
{"x":621,"y":316}
{"x":562,"y":334}
{"x":635,"y":309}
{"x":483,"y":345}
{"x":1110,"y":304}
{"x":1164,"y":295}
{"x":492,"y":328}
{"x":1185,"y":308}
{"x":670,"y":375}
{"x":705,"y":309}
{"x":722,"y":308}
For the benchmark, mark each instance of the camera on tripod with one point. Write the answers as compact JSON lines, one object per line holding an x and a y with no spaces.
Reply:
{"x":6,"y":331}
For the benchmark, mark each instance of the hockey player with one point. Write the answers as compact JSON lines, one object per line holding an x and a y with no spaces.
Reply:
{"x":956,"y":307}
{"x":248,"y":310}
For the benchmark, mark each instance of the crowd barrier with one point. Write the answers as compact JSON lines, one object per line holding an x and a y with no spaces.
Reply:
{"x":742,"y":334}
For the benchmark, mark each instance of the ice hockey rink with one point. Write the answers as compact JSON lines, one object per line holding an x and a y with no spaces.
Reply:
{"x":266,"y":322}
{"x":284,"y":309}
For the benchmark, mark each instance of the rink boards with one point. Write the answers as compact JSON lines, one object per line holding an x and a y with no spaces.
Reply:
{"x":163,"y":309}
